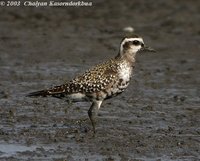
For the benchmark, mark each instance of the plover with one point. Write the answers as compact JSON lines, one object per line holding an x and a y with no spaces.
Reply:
{"x":103,"y":81}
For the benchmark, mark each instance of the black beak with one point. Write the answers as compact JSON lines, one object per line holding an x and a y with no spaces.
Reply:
{"x":147,"y":48}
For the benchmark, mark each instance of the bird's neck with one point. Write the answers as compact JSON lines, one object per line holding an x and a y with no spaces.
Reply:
{"x":127,"y":56}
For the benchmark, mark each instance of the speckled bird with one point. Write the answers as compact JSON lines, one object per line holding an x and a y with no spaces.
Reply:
{"x":103,"y":81}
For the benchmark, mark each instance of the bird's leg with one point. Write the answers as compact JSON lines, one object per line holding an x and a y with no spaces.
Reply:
{"x":92,"y":113}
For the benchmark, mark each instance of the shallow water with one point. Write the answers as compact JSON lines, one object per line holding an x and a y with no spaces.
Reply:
{"x":8,"y":150}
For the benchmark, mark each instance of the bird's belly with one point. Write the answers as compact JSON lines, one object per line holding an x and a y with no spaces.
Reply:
{"x":117,"y":88}
{"x":76,"y":97}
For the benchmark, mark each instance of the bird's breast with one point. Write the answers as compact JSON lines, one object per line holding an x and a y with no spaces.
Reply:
{"x":125,"y":72}
{"x":124,"y":76}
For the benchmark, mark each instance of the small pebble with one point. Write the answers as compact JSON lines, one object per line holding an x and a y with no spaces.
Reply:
{"x":128,"y":29}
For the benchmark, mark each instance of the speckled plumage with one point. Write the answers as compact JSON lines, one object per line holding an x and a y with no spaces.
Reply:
{"x":101,"y":82}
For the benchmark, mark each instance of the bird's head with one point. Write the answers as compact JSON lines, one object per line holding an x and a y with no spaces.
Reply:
{"x":133,"y":44}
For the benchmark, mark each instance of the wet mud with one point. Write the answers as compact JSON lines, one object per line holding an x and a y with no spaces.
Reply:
{"x":156,"y":119}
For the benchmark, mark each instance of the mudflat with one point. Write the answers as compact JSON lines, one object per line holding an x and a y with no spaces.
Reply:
{"x":156,"y":118}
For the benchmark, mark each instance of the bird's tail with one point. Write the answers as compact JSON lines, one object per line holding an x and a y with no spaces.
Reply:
{"x":56,"y":91}
{"x":42,"y":93}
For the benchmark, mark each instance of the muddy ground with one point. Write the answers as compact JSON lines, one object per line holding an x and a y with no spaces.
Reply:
{"x":156,"y":119}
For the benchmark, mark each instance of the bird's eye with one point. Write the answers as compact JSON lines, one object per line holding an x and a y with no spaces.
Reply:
{"x":136,"y":42}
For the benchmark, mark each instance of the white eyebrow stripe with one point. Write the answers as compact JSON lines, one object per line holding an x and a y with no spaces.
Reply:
{"x":132,"y":39}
